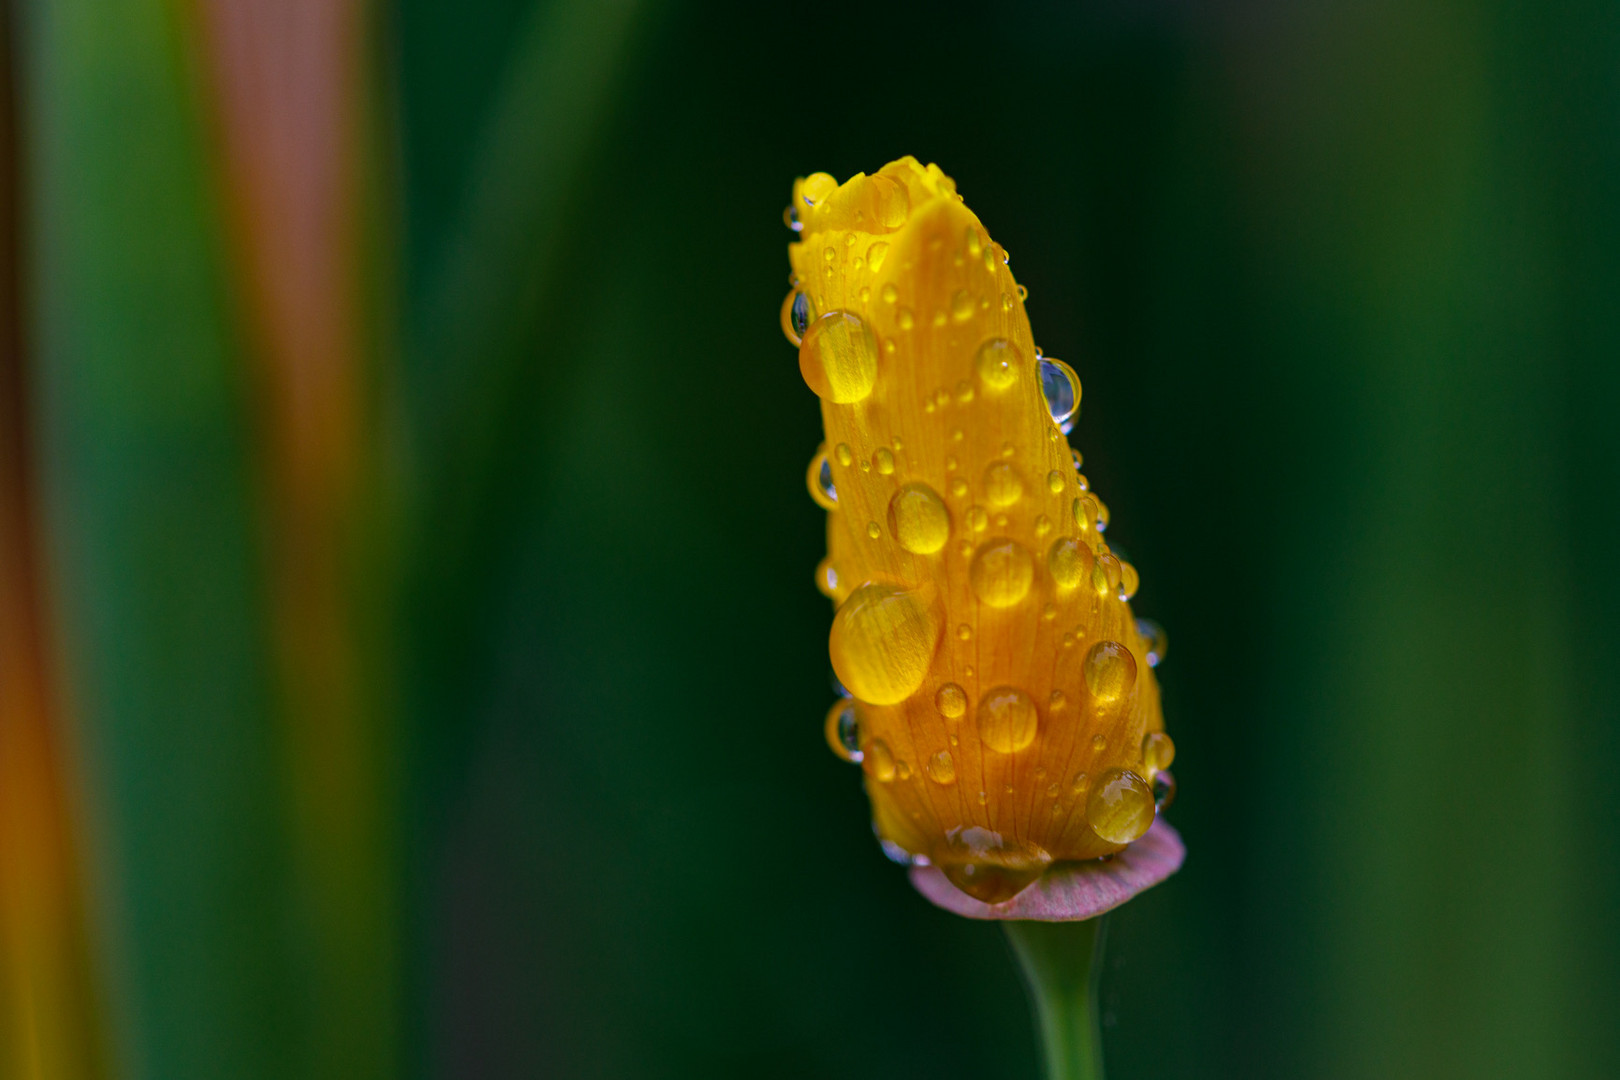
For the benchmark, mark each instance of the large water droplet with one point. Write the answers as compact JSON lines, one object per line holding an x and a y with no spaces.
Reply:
{"x":1007,"y":719}
{"x":820,"y":481}
{"x":883,"y":461}
{"x":997,"y":362}
{"x":1120,"y":808}
{"x":1002,"y":484}
{"x":1070,"y":562}
{"x":1062,"y":389}
{"x":1158,"y":642}
{"x":950,"y":701}
{"x":882,"y":641}
{"x":1001,"y":573}
{"x":1158,"y":752}
{"x":918,"y":519}
{"x":1110,"y":671}
{"x":797,"y":315}
{"x":843,"y":731}
{"x":989,"y":883}
{"x":879,"y":761}
{"x":941,"y":769}
{"x":838,"y":357}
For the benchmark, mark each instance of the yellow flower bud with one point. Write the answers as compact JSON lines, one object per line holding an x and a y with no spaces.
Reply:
{"x":1005,"y":706}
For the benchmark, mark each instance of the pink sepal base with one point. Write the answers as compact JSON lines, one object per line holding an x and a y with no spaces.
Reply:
{"x":1071,"y":891}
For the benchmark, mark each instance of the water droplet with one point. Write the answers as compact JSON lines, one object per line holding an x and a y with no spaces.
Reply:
{"x":843,"y":454}
{"x":1102,"y":516}
{"x":1001,"y":573}
{"x":1070,"y":562}
{"x":951,"y":463}
{"x":997,"y":363}
{"x":1085,"y":512}
{"x":1157,"y":641}
{"x":790,"y":218}
{"x":1062,"y":389}
{"x":1002,"y":484}
{"x":1158,"y":752}
{"x":1120,"y":808}
{"x":838,"y":358}
{"x":876,"y":254}
{"x":991,"y":883}
{"x":1008,"y":449}
{"x":1007,"y":719}
{"x":1105,"y":573}
{"x":1129,"y":580}
{"x":1110,"y":671}
{"x":1002,"y":520}
{"x":1043,"y":524}
{"x":1023,"y":292}
{"x":1049,"y":612}
{"x":843,"y":731}
{"x":1057,"y":700}
{"x":1099,"y":742}
{"x":962,"y":306}
{"x":974,"y":244}
{"x":941,"y":769}
{"x":1055,"y":482}
{"x":902,"y":770}
{"x":1068,"y":640}
{"x":873,"y":530}
{"x":827,"y":578}
{"x":1081,"y":482}
{"x":883,"y":461}
{"x":1006,"y":302}
{"x":890,"y":293}
{"x":1080,"y":782}
{"x":939,"y":318}
{"x":882,"y":641}
{"x":797,"y":314}
{"x":1076,"y":457}
{"x":965,"y":632}
{"x":905,"y":319}
{"x":918,"y":519}
{"x":895,"y":853}
{"x":978,"y":520}
{"x":879,"y":761}
{"x":951,"y":701}
{"x":820,"y":481}
{"x":964,"y":392}
{"x":1164,"y":791}
{"x":959,"y":487}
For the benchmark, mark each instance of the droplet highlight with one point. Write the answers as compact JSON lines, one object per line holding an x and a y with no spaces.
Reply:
{"x":1001,"y":573}
{"x":1062,"y":389}
{"x":997,"y":363}
{"x":843,"y":731}
{"x":838,"y":357}
{"x":1007,"y":719}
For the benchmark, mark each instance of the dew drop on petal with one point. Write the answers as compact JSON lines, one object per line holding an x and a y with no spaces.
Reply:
{"x":843,"y":731}
{"x":941,"y":769}
{"x":1110,"y":671}
{"x":997,"y":363}
{"x":918,"y":519}
{"x":819,"y":478}
{"x":950,"y":701}
{"x":1158,"y":642}
{"x":882,"y":641}
{"x":879,"y":761}
{"x":1007,"y":719}
{"x":1158,"y":752}
{"x":1062,"y":389}
{"x":1069,"y":561}
{"x":838,"y":357}
{"x":1001,"y":573}
{"x":1121,"y":806}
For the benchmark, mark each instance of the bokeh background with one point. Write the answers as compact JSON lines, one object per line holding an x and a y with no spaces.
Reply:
{"x":411,"y":662}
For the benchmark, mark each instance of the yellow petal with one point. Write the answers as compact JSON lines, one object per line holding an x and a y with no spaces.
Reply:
{"x":983,"y":626}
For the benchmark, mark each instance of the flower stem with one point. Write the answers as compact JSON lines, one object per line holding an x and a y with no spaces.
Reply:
{"x":1061,"y":962}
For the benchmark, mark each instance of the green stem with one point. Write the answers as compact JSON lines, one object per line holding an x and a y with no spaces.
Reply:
{"x":1061,"y":962}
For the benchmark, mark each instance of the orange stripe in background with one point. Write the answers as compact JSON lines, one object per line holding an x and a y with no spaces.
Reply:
{"x":49,"y":1022}
{"x":287,"y":80}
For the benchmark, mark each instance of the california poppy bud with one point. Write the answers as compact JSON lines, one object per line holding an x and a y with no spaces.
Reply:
{"x":1004,"y":706}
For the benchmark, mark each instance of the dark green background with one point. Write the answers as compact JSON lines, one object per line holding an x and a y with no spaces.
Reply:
{"x":1340,"y":280}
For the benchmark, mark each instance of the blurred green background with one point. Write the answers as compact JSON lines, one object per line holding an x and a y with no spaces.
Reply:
{"x":1340,"y":281}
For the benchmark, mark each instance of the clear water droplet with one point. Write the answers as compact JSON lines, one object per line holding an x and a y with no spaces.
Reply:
{"x":918,"y":519}
{"x":821,"y":482}
{"x":1062,"y":389}
{"x":843,"y":731}
{"x":1001,"y":573}
{"x":876,"y":253}
{"x":790,"y":218}
{"x":1121,"y":806}
{"x":1158,"y":752}
{"x":1069,"y":561}
{"x":1158,"y":642}
{"x":1164,"y":791}
{"x":1110,"y":671}
{"x":1002,"y":484}
{"x":941,"y":769}
{"x":882,"y":641}
{"x":951,"y":701}
{"x":844,"y":455}
{"x":879,"y":761}
{"x":1007,"y":719}
{"x":894,"y":852}
{"x":838,"y":357}
{"x":883,"y":461}
{"x":997,"y":363}
{"x":827,"y":577}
